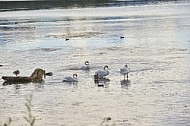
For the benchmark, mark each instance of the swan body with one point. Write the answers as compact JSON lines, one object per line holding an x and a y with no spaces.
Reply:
{"x":125,"y":71}
{"x":71,"y":79}
{"x":102,"y":73}
{"x":86,"y":66}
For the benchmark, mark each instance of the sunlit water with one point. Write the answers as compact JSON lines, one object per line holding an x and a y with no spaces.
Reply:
{"x":156,"y":47}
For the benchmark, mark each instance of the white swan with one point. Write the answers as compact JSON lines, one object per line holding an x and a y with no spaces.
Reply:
{"x":86,"y":66}
{"x":102,"y":73}
{"x":71,"y":79}
{"x":125,"y":71}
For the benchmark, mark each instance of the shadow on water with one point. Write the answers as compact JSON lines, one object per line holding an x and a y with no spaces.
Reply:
{"x":13,"y":83}
{"x":18,"y":84}
{"x":36,"y":85}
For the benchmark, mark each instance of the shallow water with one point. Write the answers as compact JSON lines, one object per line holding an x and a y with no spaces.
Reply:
{"x":156,"y":47}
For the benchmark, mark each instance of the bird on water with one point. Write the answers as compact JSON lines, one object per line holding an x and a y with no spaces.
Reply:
{"x":16,"y":72}
{"x":102,"y":73}
{"x":125,"y":71}
{"x":71,"y":79}
{"x":86,"y":66}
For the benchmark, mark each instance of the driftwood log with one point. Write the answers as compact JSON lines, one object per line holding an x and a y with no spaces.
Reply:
{"x":36,"y":77}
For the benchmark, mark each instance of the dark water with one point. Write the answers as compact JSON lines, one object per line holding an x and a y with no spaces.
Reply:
{"x":12,"y":5}
{"x":156,"y":47}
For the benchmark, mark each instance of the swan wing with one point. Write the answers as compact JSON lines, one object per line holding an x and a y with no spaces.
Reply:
{"x":69,"y":79}
{"x":124,"y":70}
{"x":85,"y":67}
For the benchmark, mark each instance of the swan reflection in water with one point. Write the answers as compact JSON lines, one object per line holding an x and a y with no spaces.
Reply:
{"x":125,"y":84}
{"x":101,"y":82}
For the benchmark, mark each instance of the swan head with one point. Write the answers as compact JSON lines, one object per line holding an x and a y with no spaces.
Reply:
{"x":74,"y":75}
{"x":105,"y":67}
{"x":86,"y":63}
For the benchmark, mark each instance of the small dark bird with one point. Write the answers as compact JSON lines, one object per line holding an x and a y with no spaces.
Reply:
{"x":16,"y":72}
{"x":1,"y":65}
{"x":121,"y":37}
{"x":66,"y":39}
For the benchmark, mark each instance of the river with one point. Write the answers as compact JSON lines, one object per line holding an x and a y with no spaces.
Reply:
{"x":156,"y":48}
